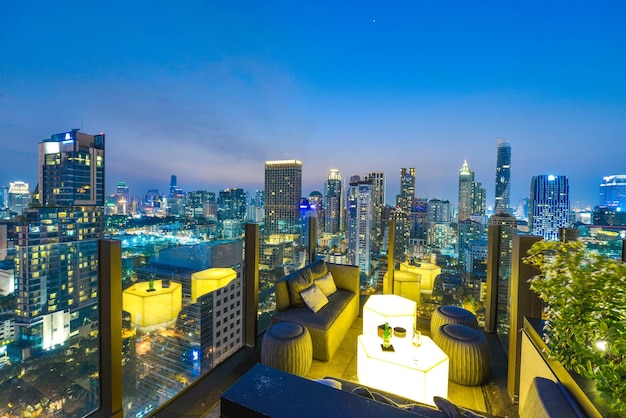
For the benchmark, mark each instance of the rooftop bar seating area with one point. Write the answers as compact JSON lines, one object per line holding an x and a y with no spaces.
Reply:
{"x":318,"y":343}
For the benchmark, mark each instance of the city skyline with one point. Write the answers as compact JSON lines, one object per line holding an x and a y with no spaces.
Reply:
{"x":209,"y":92}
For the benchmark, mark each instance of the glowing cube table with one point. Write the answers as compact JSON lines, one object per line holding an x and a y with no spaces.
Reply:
{"x":398,"y":311}
{"x":414,"y":373}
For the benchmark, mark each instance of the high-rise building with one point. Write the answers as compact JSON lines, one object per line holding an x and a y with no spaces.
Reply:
{"x":377,"y":179}
{"x":19,"y":197}
{"x":4,"y":197}
{"x":613,"y":192}
{"x":57,"y":244}
{"x":122,"y":198}
{"x":283,"y":190}
{"x":502,"y":227}
{"x":503,"y":177}
{"x":402,"y":213}
{"x":549,"y":205}
{"x":333,"y":207}
{"x":472,"y":196}
{"x":359,"y":202}
{"x":439,"y":227}
{"x":232,"y":204}
{"x":173,"y":186}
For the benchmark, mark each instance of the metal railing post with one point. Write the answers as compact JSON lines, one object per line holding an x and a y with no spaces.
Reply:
{"x":110,"y":294}
{"x":391,"y":259}
{"x":251,"y":279}
{"x":312,"y":239}
{"x":524,"y":304}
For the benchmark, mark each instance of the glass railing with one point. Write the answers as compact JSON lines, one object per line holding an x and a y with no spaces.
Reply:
{"x":183,"y":311}
{"x":49,"y":347}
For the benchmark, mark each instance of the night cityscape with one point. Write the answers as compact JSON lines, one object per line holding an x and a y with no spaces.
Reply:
{"x":365,"y":135}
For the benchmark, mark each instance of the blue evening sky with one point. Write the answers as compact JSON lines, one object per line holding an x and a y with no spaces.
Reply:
{"x":209,"y":90}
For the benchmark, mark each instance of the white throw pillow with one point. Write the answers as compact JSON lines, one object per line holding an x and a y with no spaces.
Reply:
{"x":326,"y":283}
{"x":314,"y":298}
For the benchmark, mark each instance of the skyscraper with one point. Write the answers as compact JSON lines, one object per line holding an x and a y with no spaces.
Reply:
{"x":172,"y":186}
{"x":402,"y":214}
{"x":472,"y":195}
{"x":333,"y":208}
{"x":57,"y":245}
{"x":283,"y":190}
{"x":359,"y":224}
{"x":613,"y":192}
{"x":503,"y":177}
{"x":549,"y":205}
{"x":232,"y":204}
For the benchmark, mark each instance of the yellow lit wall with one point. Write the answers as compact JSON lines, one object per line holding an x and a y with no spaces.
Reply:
{"x":209,"y":280}
{"x":428,"y":272}
{"x":152,"y":308}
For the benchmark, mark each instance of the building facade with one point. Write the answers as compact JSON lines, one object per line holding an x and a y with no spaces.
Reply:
{"x":549,"y":205}
{"x":56,"y":261}
{"x":333,"y":203}
{"x":283,"y":190}
{"x":503,"y":177}
{"x":360,"y":225}
{"x":613,"y":192}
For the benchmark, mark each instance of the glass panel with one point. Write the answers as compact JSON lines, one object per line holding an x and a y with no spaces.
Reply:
{"x":49,"y":356}
{"x":182,"y":306}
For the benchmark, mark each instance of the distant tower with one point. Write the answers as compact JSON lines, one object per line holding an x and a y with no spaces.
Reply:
{"x":549,"y":206}
{"x":471,"y":194}
{"x":283,"y":190}
{"x":173,"y":186}
{"x":122,"y":198}
{"x":316,"y":200}
{"x":232,"y":204}
{"x":60,"y":297}
{"x":359,"y":224}
{"x":613,"y":192}
{"x":333,"y":208}
{"x":19,"y":197}
{"x":503,"y":177}
{"x":402,"y":214}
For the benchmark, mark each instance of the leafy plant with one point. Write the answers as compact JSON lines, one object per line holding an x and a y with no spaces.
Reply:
{"x":585,"y":298}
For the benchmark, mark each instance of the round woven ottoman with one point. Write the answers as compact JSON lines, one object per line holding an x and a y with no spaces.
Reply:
{"x":468,"y":351}
{"x":287,"y":346}
{"x":451,"y":315}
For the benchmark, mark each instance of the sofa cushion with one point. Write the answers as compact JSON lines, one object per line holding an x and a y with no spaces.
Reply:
{"x":314,"y":298}
{"x":326,"y":283}
{"x":299,"y":281}
{"x":323,"y":319}
{"x":318,"y":269}
{"x":450,"y":410}
{"x":546,"y":398}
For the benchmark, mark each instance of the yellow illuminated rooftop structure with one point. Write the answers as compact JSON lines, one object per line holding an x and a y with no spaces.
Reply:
{"x":209,"y":280}
{"x":428,"y":272}
{"x":149,"y":307}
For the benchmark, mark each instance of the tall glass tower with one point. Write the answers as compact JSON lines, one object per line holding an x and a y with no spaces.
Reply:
{"x":57,"y":244}
{"x":360,"y":224}
{"x":613,"y":192}
{"x":333,"y":209}
{"x":549,"y":206}
{"x":503,"y":177}
{"x":283,"y":190}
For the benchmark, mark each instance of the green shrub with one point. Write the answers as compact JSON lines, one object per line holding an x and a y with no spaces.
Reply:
{"x":585,"y":309}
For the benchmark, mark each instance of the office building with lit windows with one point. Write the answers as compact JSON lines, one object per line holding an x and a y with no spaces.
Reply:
{"x":56,"y":261}
{"x":549,"y":205}
{"x":333,"y":207}
{"x":359,"y":224}
{"x":503,"y":177}
{"x":283,"y":190}
{"x":613,"y":192}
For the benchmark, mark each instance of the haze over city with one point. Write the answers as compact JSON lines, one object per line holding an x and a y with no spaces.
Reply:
{"x":209,"y":91}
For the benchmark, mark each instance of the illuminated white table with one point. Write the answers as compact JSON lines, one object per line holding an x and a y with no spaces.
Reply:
{"x":414,"y":373}
{"x":398,"y":311}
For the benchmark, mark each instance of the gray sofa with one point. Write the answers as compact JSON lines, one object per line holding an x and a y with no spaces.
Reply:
{"x":330,"y":324}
